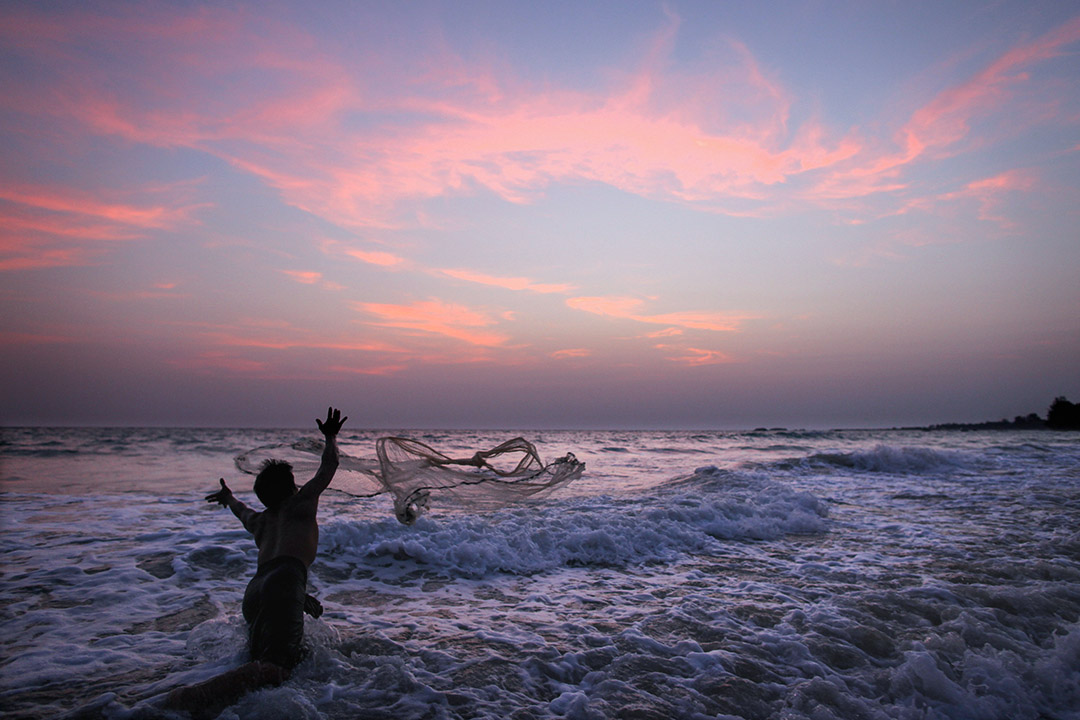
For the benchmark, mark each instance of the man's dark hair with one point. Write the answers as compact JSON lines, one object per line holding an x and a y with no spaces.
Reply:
{"x":274,"y":483}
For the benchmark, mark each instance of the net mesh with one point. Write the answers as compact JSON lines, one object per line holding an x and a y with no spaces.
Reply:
{"x":414,"y":473}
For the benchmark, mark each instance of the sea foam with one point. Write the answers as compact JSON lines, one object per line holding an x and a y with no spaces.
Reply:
{"x":602,"y":531}
{"x":901,"y":460}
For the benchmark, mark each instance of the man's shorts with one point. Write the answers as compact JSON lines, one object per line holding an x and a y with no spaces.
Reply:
{"x":274,"y":610}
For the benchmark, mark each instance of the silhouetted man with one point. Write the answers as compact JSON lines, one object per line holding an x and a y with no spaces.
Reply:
{"x":287,"y":535}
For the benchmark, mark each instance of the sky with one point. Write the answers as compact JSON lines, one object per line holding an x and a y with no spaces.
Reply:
{"x":538,"y":215}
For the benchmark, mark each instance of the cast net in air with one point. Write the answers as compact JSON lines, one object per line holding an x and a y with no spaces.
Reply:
{"x":414,"y":473}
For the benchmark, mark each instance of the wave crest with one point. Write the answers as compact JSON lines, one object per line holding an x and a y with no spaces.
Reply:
{"x":601,"y":532}
{"x":898,"y":460}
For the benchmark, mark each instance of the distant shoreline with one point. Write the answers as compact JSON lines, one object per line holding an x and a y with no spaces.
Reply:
{"x":988,"y":425}
{"x":1062,"y":415}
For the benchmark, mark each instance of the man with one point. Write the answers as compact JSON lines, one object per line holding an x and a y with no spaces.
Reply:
{"x":287,"y":535}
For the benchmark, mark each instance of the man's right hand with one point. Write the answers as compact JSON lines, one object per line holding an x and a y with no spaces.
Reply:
{"x":332,"y":425}
{"x":221,"y":496}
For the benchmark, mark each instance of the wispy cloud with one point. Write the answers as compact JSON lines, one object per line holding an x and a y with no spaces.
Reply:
{"x":24,"y":338}
{"x":81,"y":204}
{"x":943,"y":125}
{"x":946,"y":119}
{"x":629,"y":308}
{"x":654,"y":134}
{"x":284,"y":336}
{"x":509,"y":283}
{"x":694,"y":356}
{"x":437,"y":318}
{"x":989,"y":195}
{"x":368,"y":369}
{"x":382,"y":258}
{"x":721,"y":136}
{"x":306,"y":277}
{"x":312,"y":277}
{"x":571,"y":353}
{"x":278,"y":349}
{"x":56,"y":226}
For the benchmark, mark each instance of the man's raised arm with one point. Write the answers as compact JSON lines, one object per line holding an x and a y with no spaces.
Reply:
{"x":329,"y":428}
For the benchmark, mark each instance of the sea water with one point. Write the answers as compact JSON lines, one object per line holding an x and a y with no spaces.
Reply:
{"x":765,"y":574}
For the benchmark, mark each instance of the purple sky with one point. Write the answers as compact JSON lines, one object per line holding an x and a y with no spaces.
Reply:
{"x":520,"y":215}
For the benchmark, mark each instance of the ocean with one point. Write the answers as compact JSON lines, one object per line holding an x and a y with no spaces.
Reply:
{"x":765,"y":574}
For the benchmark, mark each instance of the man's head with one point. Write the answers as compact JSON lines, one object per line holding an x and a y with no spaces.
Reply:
{"x":274,"y":483}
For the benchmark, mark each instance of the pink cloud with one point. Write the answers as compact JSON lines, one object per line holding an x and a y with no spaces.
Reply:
{"x":306,"y":277}
{"x":614,"y":306}
{"x":382,"y":258}
{"x":75,"y":203}
{"x":368,"y":369}
{"x":941,"y":125}
{"x":283,"y":342}
{"x":55,"y":226}
{"x":653,"y":133}
{"x":310,"y":277}
{"x":20,"y":338}
{"x":33,"y":238}
{"x":717,"y":322}
{"x":438,"y":318}
{"x":945,"y":120}
{"x":1009,"y":180}
{"x":571,"y":353}
{"x":988,"y":194}
{"x":21,"y":254}
{"x":695,"y":356}
{"x":374,"y":257}
{"x":278,"y":349}
{"x":129,"y":296}
{"x":281,"y":350}
{"x":719,"y":136}
{"x":628,"y":308}
{"x":280,"y":335}
{"x":509,"y":283}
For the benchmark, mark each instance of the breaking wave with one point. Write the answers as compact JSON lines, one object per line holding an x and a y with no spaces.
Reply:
{"x":599,"y":531}
{"x":898,"y":460}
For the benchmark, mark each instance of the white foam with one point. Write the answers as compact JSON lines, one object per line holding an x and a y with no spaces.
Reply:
{"x":596,"y":532}
{"x":900,"y":459}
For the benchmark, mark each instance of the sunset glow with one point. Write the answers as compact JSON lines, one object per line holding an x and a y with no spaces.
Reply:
{"x":687,"y":214}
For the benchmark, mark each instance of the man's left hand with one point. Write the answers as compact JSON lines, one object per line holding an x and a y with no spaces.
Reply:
{"x":332,"y":425}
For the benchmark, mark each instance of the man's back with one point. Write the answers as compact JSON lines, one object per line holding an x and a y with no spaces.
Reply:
{"x":289,"y":529}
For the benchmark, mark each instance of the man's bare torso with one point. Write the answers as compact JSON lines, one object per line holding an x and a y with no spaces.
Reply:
{"x":291,"y":529}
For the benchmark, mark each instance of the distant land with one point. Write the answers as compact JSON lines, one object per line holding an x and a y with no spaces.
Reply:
{"x":1062,"y":415}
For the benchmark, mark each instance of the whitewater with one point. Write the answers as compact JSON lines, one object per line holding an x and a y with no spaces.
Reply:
{"x":766,"y":574}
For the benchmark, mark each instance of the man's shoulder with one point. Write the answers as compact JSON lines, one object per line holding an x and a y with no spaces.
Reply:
{"x":300,"y":504}
{"x":252,"y":520}
{"x":309,"y":492}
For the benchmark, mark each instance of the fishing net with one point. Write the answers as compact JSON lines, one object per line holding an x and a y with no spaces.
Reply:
{"x":413,"y":472}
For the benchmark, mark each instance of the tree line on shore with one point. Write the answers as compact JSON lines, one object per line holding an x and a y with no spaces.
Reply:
{"x":1062,"y":415}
